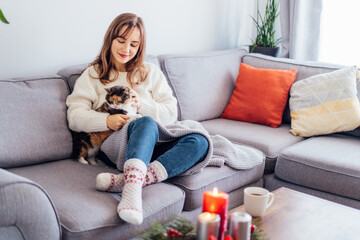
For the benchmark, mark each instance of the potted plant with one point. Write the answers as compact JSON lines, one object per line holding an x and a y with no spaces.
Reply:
{"x":2,"y":18}
{"x":265,"y":41}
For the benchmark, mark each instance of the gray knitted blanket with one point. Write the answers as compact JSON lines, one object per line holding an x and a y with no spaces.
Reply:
{"x":221,"y":150}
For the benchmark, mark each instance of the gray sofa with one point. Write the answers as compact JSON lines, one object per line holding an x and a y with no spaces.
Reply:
{"x":44,"y":194}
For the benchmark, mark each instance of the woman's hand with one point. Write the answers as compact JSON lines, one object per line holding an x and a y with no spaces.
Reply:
{"x":116,"y":121}
{"x":136,"y":99}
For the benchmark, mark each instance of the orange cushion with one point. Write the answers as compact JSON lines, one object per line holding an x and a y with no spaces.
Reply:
{"x":260,"y":95}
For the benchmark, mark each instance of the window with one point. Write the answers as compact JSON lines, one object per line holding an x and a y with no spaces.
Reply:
{"x":340,"y":32}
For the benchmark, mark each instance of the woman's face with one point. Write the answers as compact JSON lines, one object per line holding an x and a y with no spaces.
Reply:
{"x":124,"y":49}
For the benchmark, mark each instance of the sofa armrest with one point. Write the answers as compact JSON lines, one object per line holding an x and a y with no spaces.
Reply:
{"x":26,"y":211}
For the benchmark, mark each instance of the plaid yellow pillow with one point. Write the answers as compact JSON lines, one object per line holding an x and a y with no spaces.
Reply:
{"x":325,"y":103}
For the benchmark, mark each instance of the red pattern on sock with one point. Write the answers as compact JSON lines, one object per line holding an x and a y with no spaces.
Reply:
{"x":112,"y":183}
{"x":128,"y":208}
{"x":153,"y":172}
{"x":135,"y":177}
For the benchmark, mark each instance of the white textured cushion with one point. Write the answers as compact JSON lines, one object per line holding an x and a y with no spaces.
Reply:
{"x":325,"y":103}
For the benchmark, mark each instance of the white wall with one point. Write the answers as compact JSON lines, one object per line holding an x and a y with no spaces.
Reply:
{"x":46,"y":35}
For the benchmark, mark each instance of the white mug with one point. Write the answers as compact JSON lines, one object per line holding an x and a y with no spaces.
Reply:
{"x":257,"y":200}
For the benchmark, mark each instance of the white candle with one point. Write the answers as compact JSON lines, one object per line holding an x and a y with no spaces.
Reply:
{"x":240,"y":225}
{"x":207,"y":225}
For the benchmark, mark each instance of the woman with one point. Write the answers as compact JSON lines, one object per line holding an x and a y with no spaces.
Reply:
{"x":121,"y":62}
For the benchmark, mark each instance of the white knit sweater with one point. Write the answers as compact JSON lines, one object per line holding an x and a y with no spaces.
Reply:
{"x":89,"y":93}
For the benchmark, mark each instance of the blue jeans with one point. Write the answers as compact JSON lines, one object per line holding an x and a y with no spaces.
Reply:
{"x":176,"y":156}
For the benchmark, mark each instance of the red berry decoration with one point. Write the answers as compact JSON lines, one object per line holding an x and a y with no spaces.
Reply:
{"x":253,"y":227}
{"x":173,"y":233}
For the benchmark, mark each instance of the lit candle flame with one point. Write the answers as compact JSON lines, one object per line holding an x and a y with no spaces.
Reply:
{"x":215,"y":191}
{"x":207,"y":215}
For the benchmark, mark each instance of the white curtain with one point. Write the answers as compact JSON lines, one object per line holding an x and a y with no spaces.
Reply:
{"x":237,"y":26}
{"x":300,"y":28}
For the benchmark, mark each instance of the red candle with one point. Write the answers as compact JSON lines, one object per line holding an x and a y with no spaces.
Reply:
{"x":217,"y":202}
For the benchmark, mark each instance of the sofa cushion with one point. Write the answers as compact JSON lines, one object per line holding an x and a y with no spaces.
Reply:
{"x":355,"y":133}
{"x":326,"y":163}
{"x":33,"y":118}
{"x":325,"y":103}
{"x":260,"y":95}
{"x":267,"y":139}
{"x":72,"y":73}
{"x":224,"y":178}
{"x":86,"y":213}
{"x":202,"y":83}
{"x":304,"y":69}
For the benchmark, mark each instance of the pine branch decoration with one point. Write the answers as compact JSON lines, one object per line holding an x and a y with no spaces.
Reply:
{"x":163,"y":232}
{"x":182,"y":229}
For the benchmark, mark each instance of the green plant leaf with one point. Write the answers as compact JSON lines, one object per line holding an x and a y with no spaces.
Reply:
{"x":265,"y":25}
{"x":2,"y":18}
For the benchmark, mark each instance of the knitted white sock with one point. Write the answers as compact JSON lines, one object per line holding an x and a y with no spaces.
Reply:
{"x":109,"y":182}
{"x":130,"y":206}
{"x":156,"y":172}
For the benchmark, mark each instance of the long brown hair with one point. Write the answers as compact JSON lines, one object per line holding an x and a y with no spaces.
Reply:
{"x":105,"y":68}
